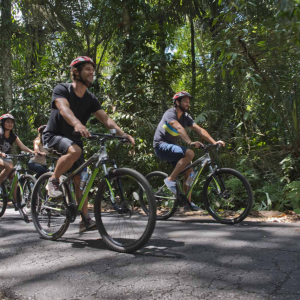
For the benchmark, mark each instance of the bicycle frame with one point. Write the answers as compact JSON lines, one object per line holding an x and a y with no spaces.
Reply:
{"x":15,"y":180}
{"x":202,"y":161}
{"x":99,"y":158}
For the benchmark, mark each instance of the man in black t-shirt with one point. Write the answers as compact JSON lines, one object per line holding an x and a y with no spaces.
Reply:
{"x":71,"y":107}
{"x":170,"y":129}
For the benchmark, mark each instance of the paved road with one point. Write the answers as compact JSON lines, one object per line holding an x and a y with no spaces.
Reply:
{"x":185,"y":259}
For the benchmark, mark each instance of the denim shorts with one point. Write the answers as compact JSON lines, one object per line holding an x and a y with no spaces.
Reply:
{"x":170,"y":152}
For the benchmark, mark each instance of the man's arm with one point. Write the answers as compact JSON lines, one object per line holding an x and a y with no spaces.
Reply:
{"x":111,"y":124}
{"x":205,"y":135}
{"x":63,"y":106}
{"x":182,"y":132}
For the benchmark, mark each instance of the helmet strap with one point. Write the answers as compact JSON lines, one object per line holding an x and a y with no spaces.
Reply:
{"x":80,"y":78}
{"x":179,"y":106}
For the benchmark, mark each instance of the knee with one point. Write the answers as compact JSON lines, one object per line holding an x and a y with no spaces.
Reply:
{"x":8,"y":168}
{"x":74,"y":152}
{"x":189,"y":154}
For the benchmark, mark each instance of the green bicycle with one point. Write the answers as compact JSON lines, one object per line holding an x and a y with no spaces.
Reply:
{"x":24,"y":182}
{"x":226,"y":193}
{"x":122,"y":223}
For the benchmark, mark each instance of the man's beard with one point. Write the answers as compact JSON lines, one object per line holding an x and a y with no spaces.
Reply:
{"x":184,"y":109}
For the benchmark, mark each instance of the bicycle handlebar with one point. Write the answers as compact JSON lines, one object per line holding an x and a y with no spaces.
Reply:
{"x":206,"y":147}
{"x":104,"y":136}
{"x":19,"y":155}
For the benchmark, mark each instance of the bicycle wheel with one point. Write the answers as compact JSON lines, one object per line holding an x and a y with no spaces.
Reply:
{"x":123,"y":225}
{"x":3,"y":201}
{"x":24,"y":194}
{"x":166,"y":202}
{"x":228,"y":196}
{"x":49,"y":215}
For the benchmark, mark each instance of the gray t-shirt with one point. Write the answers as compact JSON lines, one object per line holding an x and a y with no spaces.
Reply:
{"x":165,"y":133}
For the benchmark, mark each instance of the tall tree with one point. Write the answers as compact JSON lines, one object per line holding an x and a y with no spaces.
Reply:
{"x":6,"y":28}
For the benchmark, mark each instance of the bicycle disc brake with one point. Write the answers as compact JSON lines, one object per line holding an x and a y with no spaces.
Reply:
{"x":182,"y":200}
{"x":121,"y":209}
{"x":72,"y":212}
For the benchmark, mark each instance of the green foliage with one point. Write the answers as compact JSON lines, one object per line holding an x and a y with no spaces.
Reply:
{"x":247,"y":77}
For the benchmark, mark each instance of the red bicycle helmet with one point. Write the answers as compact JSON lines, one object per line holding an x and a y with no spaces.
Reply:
{"x":81,"y":60}
{"x":7,"y":116}
{"x":41,"y":128}
{"x":182,"y":94}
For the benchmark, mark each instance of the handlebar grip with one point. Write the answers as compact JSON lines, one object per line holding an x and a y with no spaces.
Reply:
{"x":76,"y":133}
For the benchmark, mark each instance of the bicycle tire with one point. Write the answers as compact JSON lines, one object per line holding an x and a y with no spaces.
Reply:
{"x":49,"y":215}
{"x":24,"y":196}
{"x":3,"y":201}
{"x":228,"y":196}
{"x":166,"y":202}
{"x":137,"y":225}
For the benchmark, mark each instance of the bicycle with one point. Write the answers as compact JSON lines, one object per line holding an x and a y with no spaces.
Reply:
{"x":122,"y":223}
{"x":25,"y":183}
{"x":227,"y":194}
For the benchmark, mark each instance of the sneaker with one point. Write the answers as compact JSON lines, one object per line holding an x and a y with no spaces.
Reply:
{"x":91,"y":225}
{"x":53,"y":188}
{"x":194,"y":207}
{"x":171,"y":185}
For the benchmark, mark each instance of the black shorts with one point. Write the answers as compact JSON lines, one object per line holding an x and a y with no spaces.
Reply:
{"x":61,"y":144}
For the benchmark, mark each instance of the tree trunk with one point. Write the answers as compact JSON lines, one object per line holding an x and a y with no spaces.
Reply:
{"x":193,"y":91}
{"x":6,"y":51}
{"x":163,"y":62}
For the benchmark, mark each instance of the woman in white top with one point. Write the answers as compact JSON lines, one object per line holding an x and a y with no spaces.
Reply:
{"x":38,"y":163}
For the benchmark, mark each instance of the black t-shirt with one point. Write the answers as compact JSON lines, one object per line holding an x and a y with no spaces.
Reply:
{"x":165,"y":133}
{"x":81,"y":107}
{"x":6,"y":143}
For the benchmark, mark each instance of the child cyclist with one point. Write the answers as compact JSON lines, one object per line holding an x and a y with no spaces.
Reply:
{"x":7,"y":139}
{"x":38,"y":164}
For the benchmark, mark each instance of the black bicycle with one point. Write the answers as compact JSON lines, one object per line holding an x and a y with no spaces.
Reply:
{"x":24,"y":182}
{"x":121,"y":220}
{"x":226,"y":193}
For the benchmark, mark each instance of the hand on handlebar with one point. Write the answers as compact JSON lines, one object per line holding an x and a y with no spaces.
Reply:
{"x":82,"y":130}
{"x":129,"y":138}
{"x":221,"y":143}
{"x":196,"y":144}
{"x":2,"y":154}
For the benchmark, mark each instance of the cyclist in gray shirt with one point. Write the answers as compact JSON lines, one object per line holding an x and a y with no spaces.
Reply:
{"x":170,"y":129}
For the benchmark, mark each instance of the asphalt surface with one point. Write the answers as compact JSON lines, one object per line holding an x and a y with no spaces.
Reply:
{"x":187,"y":258}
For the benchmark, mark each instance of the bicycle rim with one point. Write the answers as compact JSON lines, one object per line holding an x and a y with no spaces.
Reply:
{"x":228,"y":196}
{"x":3,"y":202}
{"x":166,"y":202}
{"x":49,"y":215}
{"x":125,"y":226}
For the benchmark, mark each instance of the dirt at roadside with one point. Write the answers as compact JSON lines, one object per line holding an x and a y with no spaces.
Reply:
{"x":255,"y":216}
